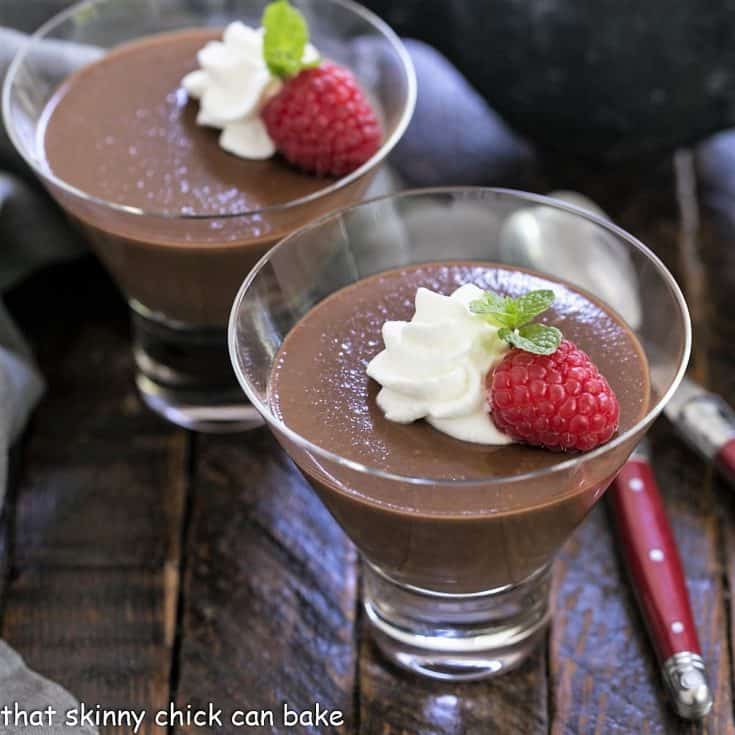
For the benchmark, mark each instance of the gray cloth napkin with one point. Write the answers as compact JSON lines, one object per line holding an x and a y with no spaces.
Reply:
{"x":33,"y":232}
{"x":33,"y":693}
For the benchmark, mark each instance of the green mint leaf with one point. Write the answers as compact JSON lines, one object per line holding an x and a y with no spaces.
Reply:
{"x":285,"y":38}
{"x":493,"y":308}
{"x":490,"y":303}
{"x":512,"y":316}
{"x":539,"y":339}
{"x":530,"y":305}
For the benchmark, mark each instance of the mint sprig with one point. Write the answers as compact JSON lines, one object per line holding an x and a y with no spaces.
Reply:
{"x":286,"y":35}
{"x":513,"y":317}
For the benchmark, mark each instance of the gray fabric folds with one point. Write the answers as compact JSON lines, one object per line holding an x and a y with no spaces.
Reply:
{"x":25,"y":692}
{"x":33,"y":232}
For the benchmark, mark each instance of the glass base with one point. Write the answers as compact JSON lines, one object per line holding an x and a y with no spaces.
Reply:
{"x":184,"y":374}
{"x":457,"y":637}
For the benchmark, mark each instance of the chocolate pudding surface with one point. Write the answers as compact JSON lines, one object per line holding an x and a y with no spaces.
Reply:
{"x":320,"y":389}
{"x":123,"y":129}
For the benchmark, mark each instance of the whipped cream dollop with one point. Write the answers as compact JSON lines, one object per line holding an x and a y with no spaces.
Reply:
{"x":232,"y":86}
{"x":434,"y":367}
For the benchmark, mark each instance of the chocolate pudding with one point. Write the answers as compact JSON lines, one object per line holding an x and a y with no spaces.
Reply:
{"x":479,"y":522}
{"x":122,"y":130}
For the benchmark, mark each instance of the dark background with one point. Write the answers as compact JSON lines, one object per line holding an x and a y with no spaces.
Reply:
{"x":603,"y":79}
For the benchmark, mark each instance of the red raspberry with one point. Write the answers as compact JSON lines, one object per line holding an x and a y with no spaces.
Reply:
{"x":557,"y":401}
{"x":322,"y":122}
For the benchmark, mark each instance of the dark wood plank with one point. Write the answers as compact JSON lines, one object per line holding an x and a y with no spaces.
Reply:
{"x":101,"y":492}
{"x":102,"y":476}
{"x":604,"y":676}
{"x":395,"y":703}
{"x":695,"y":507}
{"x":7,"y":524}
{"x":101,"y":632}
{"x":716,"y":190}
{"x":715,"y":169}
{"x":270,"y":591}
{"x":5,"y":516}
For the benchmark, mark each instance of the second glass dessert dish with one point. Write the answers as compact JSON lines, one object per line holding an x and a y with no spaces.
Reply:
{"x":457,"y":413}
{"x":169,"y":132}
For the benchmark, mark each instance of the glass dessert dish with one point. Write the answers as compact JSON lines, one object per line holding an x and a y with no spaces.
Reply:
{"x":456,"y":571}
{"x":180,"y":265}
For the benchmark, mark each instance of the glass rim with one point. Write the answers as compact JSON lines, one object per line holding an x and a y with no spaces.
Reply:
{"x":387,"y":146}
{"x":563,"y":466}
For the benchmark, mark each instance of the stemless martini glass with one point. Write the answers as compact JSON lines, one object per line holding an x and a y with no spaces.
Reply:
{"x":180,"y":270}
{"x":457,"y":573}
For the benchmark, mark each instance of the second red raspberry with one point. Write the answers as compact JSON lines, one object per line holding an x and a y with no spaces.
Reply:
{"x":322,"y":122}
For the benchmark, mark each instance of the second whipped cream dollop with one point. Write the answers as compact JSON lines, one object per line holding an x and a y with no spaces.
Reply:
{"x":434,"y":367}
{"x":232,"y":87}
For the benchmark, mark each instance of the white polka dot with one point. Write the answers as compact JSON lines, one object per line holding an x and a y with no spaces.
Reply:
{"x":677,"y":627}
{"x":656,"y":555}
{"x":636,"y":484}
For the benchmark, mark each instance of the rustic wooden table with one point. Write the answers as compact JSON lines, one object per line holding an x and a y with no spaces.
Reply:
{"x":144,"y":564}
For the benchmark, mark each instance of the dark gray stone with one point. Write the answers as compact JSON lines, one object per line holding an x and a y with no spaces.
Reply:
{"x":611,"y":79}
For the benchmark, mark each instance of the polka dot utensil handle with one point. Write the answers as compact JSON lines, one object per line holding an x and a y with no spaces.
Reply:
{"x":649,"y":551}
